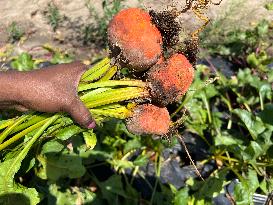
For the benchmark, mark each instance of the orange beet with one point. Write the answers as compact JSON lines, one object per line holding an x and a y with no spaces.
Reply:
{"x":149,"y":119}
{"x":133,"y":40}
{"x":171,"y":79}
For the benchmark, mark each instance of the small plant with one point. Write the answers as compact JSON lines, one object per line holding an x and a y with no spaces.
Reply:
{"x":14,"y":32}
{"x":269,"y":6}
{"x":232,"y":41}
{"x":96,"y":32}
{"x":23,"y":62}
{"x":53,"y":16}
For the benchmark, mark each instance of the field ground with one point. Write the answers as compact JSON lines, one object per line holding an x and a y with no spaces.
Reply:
{"x":30,"y":16}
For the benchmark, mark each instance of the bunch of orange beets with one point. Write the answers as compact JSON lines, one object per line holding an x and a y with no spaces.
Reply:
{"x":136,"y":44}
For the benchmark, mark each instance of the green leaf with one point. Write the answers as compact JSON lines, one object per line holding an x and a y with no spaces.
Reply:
{"x":254,"y":124}
{"x":181,"y":197}
{"x":90,"y":139}
{"x":252,"y":151}
{"x":265,"y":91}
{"x":60,"y":165}
{"x":243,"y":191}
{"x":10,"y":167}
{"x":52,"y":146}
{"x":141,"y":160}
{"x":267,"y":114}
{"x":226,"y":139}
{"x":13,"y":198}
{"x":68,"y":132}
{"x":252,"y":60}
{"x":24,"y":62}
{"x":246,"y":77}
{"x":269,"y":6}
{"x":262,"y":28}
{"x":121,"y":164}
{"x":96,"y":154}
{"x":132,"y":144}
{"x":61,"y":196}
{"x":211,"y":187}
{"x":112,"y":188}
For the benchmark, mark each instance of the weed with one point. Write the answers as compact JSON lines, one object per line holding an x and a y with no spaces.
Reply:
{"x":95,"y":32}
{"x":53,"y":16}
{"x":269,"y":6}
{"x":15,"y":32}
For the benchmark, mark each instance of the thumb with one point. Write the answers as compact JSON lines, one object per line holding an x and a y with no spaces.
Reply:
{"x":79,"y":112}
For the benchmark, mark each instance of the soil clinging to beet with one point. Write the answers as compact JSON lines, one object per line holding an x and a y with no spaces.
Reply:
{"x":167,"y":25}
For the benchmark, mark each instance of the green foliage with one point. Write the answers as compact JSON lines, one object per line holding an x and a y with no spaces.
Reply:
{"x":56,"y":165}
{"x":23,"y":62}
{"x":70,"y":196}
{"x":59,"y":57}
{"x":96,"y":32}
{"x":243,"y":140}
{"x":11,"y":166}
{"x":237,"y":42}
{"x":15,"y":32}
{"x":269,"y":6}
{"x":53,"y":16}
{"x":246,"y":188}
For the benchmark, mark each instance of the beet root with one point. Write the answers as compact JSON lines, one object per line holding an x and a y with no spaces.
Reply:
{"x":170,"y":79}
{"x":133,"y":40}
{"x":149,"y":119}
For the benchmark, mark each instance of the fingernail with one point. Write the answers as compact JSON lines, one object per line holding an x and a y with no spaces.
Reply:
{"x":92,"y":125}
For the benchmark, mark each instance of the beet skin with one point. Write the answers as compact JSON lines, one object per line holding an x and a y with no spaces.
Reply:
{"x":133,"y":40}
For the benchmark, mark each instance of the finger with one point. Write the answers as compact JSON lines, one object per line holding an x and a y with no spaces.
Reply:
{"x":20,"y":108}
{"x":17,"y":107}
{"x":81,"y":114}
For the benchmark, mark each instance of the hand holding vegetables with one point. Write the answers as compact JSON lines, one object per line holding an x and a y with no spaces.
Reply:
{"x":136,"y":43}
{"x":47,"y":90}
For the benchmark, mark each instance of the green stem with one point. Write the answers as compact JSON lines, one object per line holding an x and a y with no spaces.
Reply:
{"x":96,"y":67}
{"x":228,"y":159}
{"x":6,"y":123}
{"x":96,"y":75}
{"x":31,"y":121}
{"x":112,"y":83}
{"x":21,"y":134}
{"x":177,"y":110}
{"x":9,"y":129}
{"x":229,"y":109}
{"x":158,"y":169}
{"x":240,"y":96}
{"x":29,"y":144}
{"x":93,"y":93}
{"x":112,"y":113}
{"x":205,"y":100}
{"x":261,"y":101}
{"x":110,"y":73}
{"x":117,"y":95}
{"x":240,"y":177}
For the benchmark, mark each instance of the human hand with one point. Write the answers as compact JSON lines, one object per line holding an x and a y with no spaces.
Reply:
{"x":46,"y":90}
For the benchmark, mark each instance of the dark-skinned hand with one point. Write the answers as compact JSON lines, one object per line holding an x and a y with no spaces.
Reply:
{"x":53,"y":89}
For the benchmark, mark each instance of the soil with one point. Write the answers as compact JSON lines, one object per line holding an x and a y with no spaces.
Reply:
{"x":30,"y":16}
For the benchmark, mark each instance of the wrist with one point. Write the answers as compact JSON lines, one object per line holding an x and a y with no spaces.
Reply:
{"x":9,"y":84}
